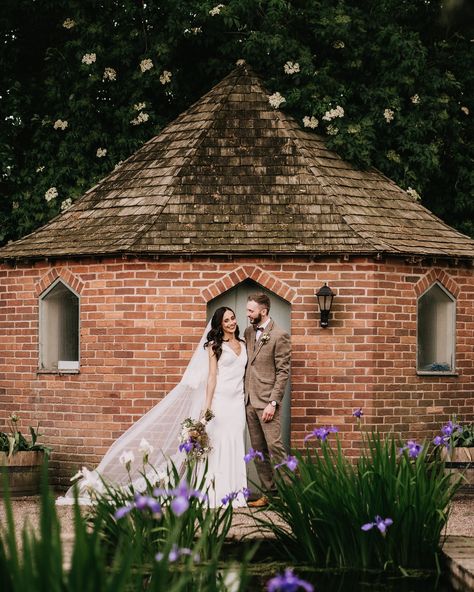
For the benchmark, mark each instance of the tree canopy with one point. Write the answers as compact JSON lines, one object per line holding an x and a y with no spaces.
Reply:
{"x":84,"y":83}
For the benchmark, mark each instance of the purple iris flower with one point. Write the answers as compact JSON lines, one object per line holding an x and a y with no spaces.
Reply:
{"x":358,"y":413}
{"x":251,"y":454}
{"x":291,"y":462}
{"x":450,"y":428}
{"x":187,"y":446}
{"x":229,"y":497}
{"x":246,"y":492}
{"x":142,"y":502}
{"x":413,"y":449}
{"x":182,"y":494}
{"x":440,"y":440}
{"x":175,"y":553}
{"x":321,"y":433}
{"x":288,"y":582}
{"x":379,"y":523}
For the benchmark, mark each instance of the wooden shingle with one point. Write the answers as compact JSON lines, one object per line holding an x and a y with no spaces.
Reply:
{"x":233,"y":175}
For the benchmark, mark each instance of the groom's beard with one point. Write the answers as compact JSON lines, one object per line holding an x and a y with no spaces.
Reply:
{"x":256,"y":321}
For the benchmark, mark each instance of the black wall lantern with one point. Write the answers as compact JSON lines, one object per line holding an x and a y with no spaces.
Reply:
{"x":325,"y":296}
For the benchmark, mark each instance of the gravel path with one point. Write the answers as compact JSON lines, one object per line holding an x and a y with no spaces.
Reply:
{"x":461,"y":521}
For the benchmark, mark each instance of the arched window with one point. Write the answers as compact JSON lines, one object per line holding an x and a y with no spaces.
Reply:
{"x":436,"y":331}
{"x":59,"y":329}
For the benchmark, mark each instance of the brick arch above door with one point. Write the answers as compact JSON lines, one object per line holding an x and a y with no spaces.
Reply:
{"x":252,"y":272}
{"x":65,"y":275}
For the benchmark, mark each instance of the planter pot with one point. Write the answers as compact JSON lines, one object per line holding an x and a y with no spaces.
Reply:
{"x":460,"y":461}
{"x":23,"y":471}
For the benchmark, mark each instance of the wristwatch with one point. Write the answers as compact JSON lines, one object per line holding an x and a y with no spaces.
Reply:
{"x":273,"y":404}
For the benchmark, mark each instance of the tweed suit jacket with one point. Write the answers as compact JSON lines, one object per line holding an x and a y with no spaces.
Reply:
{"x":268,"y":365}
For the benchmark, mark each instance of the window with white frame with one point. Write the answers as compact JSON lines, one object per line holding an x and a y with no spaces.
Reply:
{"x":59,"y":329}
{"x":436,"y":330}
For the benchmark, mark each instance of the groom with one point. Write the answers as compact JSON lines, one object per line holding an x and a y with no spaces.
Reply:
{"x":266,"y":375}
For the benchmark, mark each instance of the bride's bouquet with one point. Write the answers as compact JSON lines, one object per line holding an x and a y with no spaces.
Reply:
{"x":193,"y":437}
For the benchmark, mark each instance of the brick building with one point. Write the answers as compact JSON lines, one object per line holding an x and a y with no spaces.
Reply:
{"x":102,"y":307}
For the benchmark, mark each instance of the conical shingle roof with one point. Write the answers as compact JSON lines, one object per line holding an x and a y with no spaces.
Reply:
{"x":233,"y":175}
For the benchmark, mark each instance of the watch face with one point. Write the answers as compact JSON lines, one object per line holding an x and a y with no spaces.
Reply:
{"x":273,"y":403}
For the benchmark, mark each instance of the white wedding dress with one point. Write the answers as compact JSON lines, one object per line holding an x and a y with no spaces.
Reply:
{"x":227,"y":472}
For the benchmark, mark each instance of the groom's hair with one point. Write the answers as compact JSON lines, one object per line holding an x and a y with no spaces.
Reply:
{"x":261,"y":299}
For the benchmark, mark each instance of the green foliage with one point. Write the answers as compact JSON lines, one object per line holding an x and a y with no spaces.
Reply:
{"x":160,"y":533}
{"x":14,"y":441}
{"x":411,"y":58}
{"x":39,"y":565}
{"x":325,"y":503}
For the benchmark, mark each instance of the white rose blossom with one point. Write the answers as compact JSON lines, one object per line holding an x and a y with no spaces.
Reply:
{"x":389,"y":114}
{"x":51,"y":194}
{"x":310,"y":122}
{"x":240,"y":62}
{"x":216,"y":10}
{"x":139,"y":106}
{"x":165,"y":77}
{"x":40,"y":169}
{"x":415,"y":99}
{"x":291,"y":68}
{"x":465,"y":110}
{"x":413,"y":193}
{"x":142,"y":117}
{"x":276,"y":100}
{"x":339,"y":44}
{"x":146,"y":64}
{"x":333,"y":113}
{"x":126,"y":458}
{"x":89,"y":58}
{"x":15,"y":205}
{"x":101,"y":152}
{"x":69,"y":23}
{"x":193,"y":31}
{"x":60,"y":124}
{"x":67,"y":203}
{"x":109,"y":74}
{"x":332,"y":130}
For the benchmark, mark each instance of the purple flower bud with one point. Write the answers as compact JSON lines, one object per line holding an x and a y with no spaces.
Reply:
{"x":358,"y":413}
{"x":288,"y":583}
{"x":229,"y":497}
{"x":251,"y":454}
{"x":291,"y":462}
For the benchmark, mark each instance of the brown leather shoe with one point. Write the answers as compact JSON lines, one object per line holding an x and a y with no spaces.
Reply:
{"x":261,"y":502}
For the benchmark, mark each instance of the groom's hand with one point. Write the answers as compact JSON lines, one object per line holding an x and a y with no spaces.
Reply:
{"x":268,"y":413}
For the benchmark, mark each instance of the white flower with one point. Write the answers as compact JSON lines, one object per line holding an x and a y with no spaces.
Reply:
{"x":232,"y":581}
{"x":142,"y":117}
{"x":339,"y":44}
{"x":101,"y":152}
{"x":240,"y":62}
{"x":145,"y":448}
{"x":118,"y":164}
{"x":415,"y":99}
{"x":146,"y":64}
{"x":216,"y":9}
{"x":69,"y":23}
{"x":109,"y":74}
{"x":465,"y":110}
{"x":15,"y":205}
{"x":40,"y":169}
{"x":89,"y":58}
{"x":291,"y":68}
{"x":354,"y":128}
{"x":332,"y":130}
{"x":51,"y":194}
{"x":389,"y":115}
{"x":126,"y":458}
{"x":193,"y":31}
{"x":139,"y":106}
{"x":165,"y":78}
{"x":333,"y":113}
{"x":276,"y":100}
{"x":91,"y":480}
{"x":311,"y":122}
{"x":60,"y":124}
{"x":413,"y":193}
{"x":67,"y":203}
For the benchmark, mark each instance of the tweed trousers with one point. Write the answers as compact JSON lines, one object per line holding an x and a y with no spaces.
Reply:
{"x":265,"y":437}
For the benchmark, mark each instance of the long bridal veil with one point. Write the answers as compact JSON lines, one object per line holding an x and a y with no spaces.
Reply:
{"x":159,"y":428}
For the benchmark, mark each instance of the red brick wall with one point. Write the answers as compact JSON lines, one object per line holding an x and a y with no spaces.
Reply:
{"x":140,"y":321}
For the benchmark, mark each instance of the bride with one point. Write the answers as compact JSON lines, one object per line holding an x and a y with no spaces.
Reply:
{"x":212,"y":380}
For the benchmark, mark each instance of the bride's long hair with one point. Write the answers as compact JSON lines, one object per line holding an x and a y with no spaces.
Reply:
{"x":216,"y":334}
